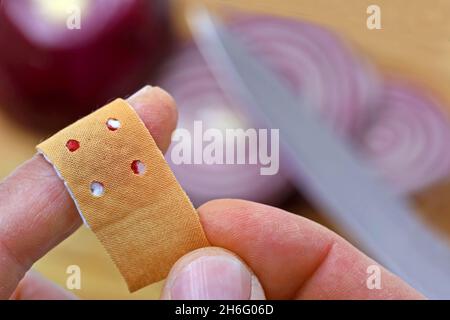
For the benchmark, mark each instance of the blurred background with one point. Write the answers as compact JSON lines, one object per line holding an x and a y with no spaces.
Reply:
{"x":385,"y":91}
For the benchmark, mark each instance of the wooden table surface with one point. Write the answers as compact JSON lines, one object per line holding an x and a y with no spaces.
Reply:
{"x":414,"y":41}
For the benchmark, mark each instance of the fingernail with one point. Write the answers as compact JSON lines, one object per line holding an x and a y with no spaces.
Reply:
{"x":212,"y":278}
{"x":141,"y":91}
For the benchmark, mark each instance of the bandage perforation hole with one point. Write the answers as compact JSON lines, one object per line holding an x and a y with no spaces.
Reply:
{"x":113,"y":124}
{"x":138,"y":167}
{"x":97,"y":189}
{"x":72,"y":145}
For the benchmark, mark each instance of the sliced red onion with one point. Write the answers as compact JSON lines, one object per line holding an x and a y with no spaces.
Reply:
{"x":199,"y":97}
{"x":409,"y":141}
{"x":315,"y":65}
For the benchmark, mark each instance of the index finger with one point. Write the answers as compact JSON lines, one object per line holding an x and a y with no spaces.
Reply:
{"x":36,"y":211}
{"x":293,"y":257}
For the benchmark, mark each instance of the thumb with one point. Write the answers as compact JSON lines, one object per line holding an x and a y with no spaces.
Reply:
{"x":212,"y":274}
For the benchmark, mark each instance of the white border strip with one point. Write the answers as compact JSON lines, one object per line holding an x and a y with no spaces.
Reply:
{"x":39,"y":151}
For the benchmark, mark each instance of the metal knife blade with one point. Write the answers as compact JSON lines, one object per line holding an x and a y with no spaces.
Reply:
{"x":332,"y":175}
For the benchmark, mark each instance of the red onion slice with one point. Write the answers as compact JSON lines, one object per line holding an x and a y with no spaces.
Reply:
{"x":316,"y":65}
{"x":199,"y":97}
{"x":409,"y":142}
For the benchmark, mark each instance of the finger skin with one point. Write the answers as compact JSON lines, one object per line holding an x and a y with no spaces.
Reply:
{"x":36,"y":211}
{"x":257,"y":292}
{"x":293,"y":257}
{"x":34,"y":286}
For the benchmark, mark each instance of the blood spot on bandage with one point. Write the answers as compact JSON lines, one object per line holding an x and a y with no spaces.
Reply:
{"x":72,"y":145}
{"x":138,"y":167}
{"x":97,"y":189}
{"x":113,"y":124}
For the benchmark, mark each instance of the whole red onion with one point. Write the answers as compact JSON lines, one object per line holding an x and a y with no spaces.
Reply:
{"x":51,"y":75}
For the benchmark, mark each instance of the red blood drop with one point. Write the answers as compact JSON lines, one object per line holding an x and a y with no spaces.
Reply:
{"x":110,"y":124}
{"x":72,"y":145}
{"x":135,"y":166}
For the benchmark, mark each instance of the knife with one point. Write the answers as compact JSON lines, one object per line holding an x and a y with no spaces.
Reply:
{"x":330,"y":173}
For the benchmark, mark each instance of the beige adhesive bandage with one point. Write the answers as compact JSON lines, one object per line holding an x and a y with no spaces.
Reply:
{"x":126,"y":192}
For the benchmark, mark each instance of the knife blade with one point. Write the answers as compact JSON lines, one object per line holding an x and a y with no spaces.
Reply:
{"x":330,"y":173}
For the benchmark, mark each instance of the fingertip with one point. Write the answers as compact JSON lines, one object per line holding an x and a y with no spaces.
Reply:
{"x":212,"y":273}
{"x":34,"y":286}
{"x":157,"y":109}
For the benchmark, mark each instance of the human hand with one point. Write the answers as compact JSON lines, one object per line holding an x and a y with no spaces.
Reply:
{"x":258,"y":252}
{"x":262,"y":251}
{"x":36,"y":211}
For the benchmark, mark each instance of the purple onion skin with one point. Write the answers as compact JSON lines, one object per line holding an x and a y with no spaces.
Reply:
{"x":47,"y":86}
